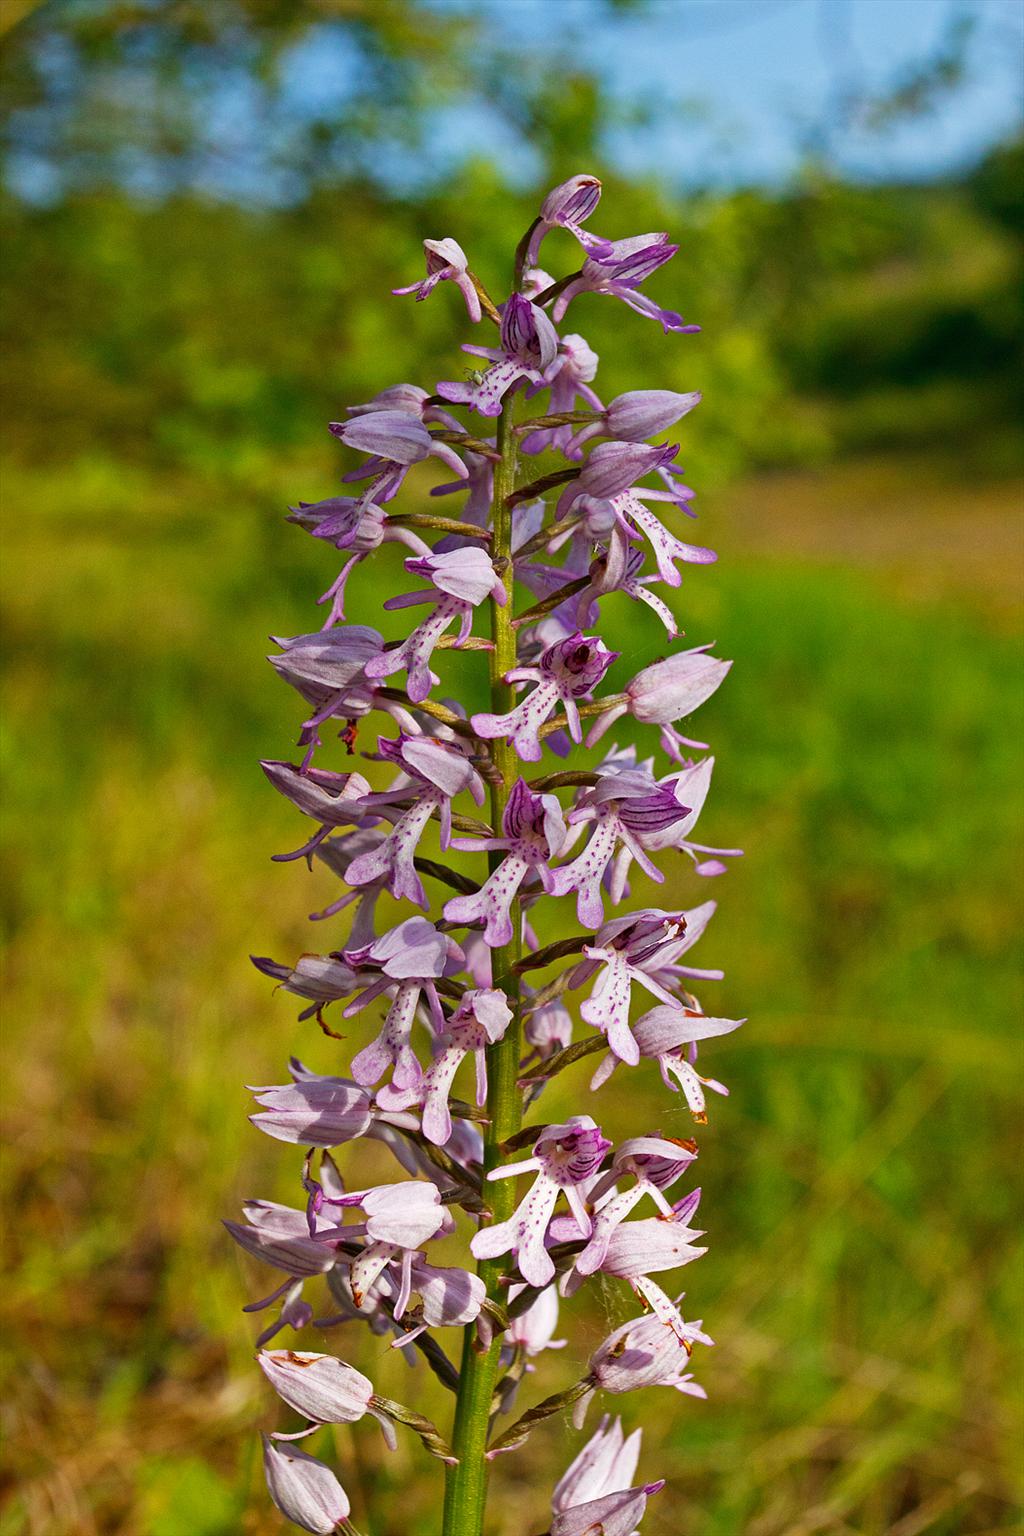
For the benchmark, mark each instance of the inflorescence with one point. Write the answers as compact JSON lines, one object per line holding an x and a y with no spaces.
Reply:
{"x":471,"y":981}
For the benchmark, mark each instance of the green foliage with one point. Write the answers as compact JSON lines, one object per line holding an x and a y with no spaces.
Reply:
{"x":861,"y":1183}
{"x":185,"y":1494}
{"x":268,"y":100}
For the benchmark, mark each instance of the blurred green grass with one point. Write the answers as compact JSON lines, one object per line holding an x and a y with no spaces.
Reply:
{"x":860,"y":1184}
{"x":170,"y":356}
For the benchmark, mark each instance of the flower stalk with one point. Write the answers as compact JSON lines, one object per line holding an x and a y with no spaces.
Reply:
{"x":466,"y":1482}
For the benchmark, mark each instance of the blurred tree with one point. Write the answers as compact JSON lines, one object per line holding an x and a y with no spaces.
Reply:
{"x":998,"y":186}
{"x":177,"y":94}
{"x":206,"y":193}
{"x":259,"y":100}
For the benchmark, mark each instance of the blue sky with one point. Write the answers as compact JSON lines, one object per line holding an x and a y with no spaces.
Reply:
{"x":742,"y":84}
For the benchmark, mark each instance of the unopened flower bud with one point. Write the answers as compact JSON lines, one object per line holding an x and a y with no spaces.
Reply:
{"x":305,"y":1490}
{"x":617,"y":1514}
{"x":392,"y":435}
{"x":640,"y":413}
{"x":669,"y":690}
{"x":615,"y":467}
{"x":321,"y":1387}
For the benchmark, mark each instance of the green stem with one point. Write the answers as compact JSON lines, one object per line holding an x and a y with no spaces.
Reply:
{"x":466,"y":1483}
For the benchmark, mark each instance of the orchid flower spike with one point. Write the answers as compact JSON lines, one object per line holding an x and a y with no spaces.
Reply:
{"x":477,"y":797}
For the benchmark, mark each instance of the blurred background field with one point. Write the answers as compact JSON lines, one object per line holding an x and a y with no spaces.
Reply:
{"x":205,"y":209}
